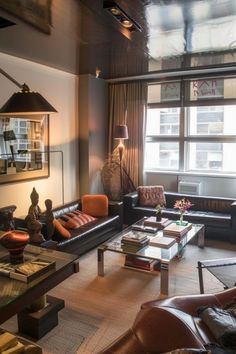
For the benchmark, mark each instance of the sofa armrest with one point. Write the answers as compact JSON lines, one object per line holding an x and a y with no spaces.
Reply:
{"x":116,"y":208}
{"x":130,"y":200}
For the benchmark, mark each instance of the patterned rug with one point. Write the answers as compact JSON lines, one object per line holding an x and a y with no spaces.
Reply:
{"x":73,"y":328}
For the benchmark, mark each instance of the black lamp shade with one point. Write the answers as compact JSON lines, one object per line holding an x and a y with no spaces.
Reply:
{"x":26,"y":103}
{"x":9,"y":135}
{"x":121,"y":132}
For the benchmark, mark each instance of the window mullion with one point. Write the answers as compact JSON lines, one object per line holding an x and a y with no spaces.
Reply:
{"x":182,"y":122}
{"x":181,"y":140}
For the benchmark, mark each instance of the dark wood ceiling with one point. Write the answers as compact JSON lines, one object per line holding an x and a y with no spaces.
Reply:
{"x":84,"y":36}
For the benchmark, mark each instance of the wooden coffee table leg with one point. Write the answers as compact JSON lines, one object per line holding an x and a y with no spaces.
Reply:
{"x":100,"y":262}
{"x":164,"y":278}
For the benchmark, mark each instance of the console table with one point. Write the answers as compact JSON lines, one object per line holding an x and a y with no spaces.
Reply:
{"x":17,"y":295}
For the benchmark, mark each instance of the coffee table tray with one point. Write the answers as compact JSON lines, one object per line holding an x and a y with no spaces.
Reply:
{"x":26,"y":271}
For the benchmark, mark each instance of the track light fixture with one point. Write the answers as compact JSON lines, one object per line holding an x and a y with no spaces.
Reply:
{"x":121,"y":16}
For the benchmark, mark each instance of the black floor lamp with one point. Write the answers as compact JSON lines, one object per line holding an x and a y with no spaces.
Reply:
{"x":25,"y":102}
{"x":121,"y":133}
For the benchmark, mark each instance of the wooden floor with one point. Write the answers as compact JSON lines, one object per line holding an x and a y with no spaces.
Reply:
{"x":115,"y":299}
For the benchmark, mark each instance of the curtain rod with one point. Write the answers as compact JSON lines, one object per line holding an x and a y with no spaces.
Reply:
{"x":162,"y":74}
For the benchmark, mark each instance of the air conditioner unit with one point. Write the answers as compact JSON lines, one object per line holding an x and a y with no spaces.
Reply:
{"x":189,"y":187}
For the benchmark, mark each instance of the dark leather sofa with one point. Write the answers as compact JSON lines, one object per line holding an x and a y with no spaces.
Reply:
{"x":87,"y":236}
{"x":217,"y":214}
{"x":173,"y":323}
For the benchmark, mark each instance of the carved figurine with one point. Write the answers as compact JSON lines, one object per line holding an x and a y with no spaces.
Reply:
{"x":6,"y":218}
{"x":33,"y":223}
{"x":49,"y":218}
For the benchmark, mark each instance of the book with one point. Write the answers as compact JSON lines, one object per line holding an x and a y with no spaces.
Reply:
{"x":162,"y":241}
{"x":135,"y":243}
{"x":151,"y":221}
{"x":174,"y":230}
{"x":7,"y":340}
{"x":17,"y":349}
{"x":143,"y":228}
{"x":139,"y":262}
{"x":129,"y":247}
{"x":134,"y":236}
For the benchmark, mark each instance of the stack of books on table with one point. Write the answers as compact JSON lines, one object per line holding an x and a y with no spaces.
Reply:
{"x":133,"y":241}
{"x":151,"y":221}
{"x":176,"y":231}
{"x":161,"y":241}
{"x":139,"y":262}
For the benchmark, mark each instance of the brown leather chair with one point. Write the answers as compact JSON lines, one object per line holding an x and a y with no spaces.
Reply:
{"x":172,"y":323}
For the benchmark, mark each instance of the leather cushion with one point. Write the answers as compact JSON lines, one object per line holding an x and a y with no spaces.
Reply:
{"x":95,"y":204}
{"x":61,"y":230}
{"x":151,"y":195}
{"x":75,"y":219}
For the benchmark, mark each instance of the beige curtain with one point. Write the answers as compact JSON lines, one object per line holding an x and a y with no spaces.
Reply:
{"x":127,"y":106}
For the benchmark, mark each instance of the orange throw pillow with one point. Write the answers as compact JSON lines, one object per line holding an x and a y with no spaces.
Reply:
{"x":75,"y":219}
{"x":62,"y":231}
{"x":95,"y":204}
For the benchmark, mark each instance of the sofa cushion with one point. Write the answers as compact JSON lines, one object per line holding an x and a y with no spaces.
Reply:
{"x":95,"y":204}
{"x":75,"y":219}
{"x":151,"y":195}
{"x":60,"y":230}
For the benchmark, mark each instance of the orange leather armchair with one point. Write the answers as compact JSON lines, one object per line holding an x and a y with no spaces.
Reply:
{"x":165,"y":325}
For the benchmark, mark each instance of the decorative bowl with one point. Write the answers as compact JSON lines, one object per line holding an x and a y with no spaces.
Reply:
{"x":15,"y":241}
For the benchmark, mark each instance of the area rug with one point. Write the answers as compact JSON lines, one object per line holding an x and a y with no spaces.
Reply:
{"x":73,"y":328}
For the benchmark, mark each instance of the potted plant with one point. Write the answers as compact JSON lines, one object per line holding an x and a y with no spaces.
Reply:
{"x":183,"y":205}
{"x":159,"y":208}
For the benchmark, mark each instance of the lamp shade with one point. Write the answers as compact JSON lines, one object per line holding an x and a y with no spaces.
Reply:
{"x":26,"y":102}
{"x":121,"y":132}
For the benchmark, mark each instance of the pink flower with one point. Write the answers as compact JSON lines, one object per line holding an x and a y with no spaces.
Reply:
{"x":183,"y":205}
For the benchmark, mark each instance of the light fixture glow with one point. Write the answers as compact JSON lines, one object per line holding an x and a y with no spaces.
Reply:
{"x":127,"y":23}
{"x":115,"y":11}
{"x":121,"y":16}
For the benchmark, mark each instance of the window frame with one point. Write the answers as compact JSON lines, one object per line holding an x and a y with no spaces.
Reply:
{"x":184,"y":137}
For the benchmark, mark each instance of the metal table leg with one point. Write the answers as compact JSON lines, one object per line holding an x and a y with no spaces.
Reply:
{"x":201,"y":237}
{"x":100,"y":256}
{"x":164,"y":278}
{"x":200,"y":277}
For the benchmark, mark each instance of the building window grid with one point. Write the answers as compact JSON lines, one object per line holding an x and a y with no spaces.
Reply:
{"x":213,"y":159}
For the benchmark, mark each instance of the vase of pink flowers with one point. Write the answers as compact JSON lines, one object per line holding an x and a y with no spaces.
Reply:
{"x":183,"y":205}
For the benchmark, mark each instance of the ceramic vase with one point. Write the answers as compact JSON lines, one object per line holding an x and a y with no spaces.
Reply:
{"x":15,"y":241}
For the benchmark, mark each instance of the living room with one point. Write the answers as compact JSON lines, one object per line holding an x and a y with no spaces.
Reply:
{"x":73,"y":63}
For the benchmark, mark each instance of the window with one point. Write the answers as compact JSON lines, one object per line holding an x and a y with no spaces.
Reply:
{"x":197,"y":137}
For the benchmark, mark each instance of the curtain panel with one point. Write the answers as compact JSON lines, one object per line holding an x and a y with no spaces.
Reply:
{"x":127,"y":106}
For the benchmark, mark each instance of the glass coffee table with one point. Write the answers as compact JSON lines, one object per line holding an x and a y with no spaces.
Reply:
{"x":163,"y":255}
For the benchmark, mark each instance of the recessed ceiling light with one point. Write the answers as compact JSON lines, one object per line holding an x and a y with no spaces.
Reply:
{"x":126,"y":23}
{"x":120,"y":15}
{"x":115,"y":11}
